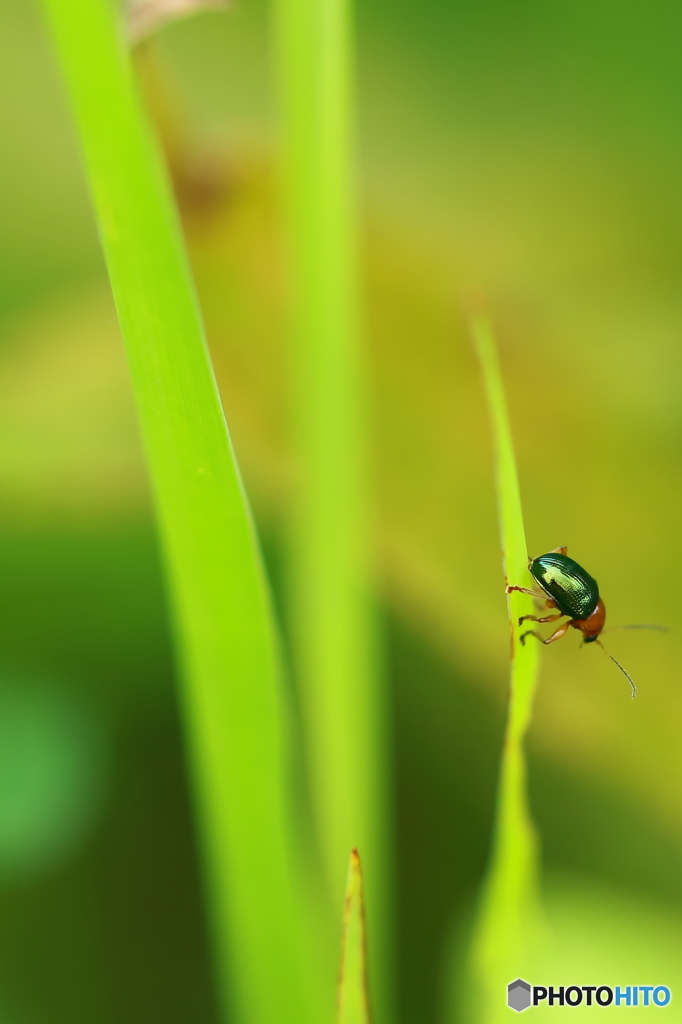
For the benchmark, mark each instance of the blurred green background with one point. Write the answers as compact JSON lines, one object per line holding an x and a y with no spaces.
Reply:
{"x":534,"y":150}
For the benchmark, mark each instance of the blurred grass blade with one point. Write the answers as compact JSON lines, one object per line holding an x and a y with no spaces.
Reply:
{"x":232,"y":691}
{"x":507,"y":919}
{"x":353,"y":988}
{"x":333,"y":627}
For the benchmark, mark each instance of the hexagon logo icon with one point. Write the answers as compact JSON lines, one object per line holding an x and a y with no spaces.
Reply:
{"x":518,"y":995}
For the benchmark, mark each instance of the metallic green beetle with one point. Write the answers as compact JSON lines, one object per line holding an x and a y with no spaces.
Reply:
{"x":574,"y":592}
{"x":567,"y":587}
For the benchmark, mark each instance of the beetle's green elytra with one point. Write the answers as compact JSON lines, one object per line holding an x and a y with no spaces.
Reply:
{"x":575,"y":592}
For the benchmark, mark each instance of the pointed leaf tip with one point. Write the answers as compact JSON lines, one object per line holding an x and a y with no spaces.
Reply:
{"x":353,"y":1003}
{"x":146,"y":16}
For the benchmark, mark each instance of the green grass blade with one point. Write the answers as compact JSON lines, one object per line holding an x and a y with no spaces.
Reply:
{"x":333,"y":624}
{"x":507,"y":918}
{"x":232,"y":697}
{"x":353,"y":1005}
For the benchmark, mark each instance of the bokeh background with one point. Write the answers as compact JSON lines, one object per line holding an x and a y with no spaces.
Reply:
{"x":533,"y":150}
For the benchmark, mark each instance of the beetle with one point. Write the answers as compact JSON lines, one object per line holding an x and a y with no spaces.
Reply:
{"x":570,"y":589}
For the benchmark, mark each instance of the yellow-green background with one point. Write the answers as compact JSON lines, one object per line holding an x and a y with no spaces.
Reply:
{"x":533,"y":150}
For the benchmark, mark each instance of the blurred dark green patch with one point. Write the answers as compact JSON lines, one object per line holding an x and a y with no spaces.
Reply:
{"x":54,"y":767}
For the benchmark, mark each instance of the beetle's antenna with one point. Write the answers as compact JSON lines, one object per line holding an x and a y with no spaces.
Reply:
{"x":627,"y":676}
{"x":639,"y":625}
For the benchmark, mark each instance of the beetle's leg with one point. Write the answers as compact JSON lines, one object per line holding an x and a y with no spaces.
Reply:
{"x":556,"y":635}
{"x":541,"y":599}
{"x":561,"y":550}
{"x":545,"y":618}
{"x":524,"y":590}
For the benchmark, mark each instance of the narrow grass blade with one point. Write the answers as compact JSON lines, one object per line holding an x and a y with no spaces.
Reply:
{"x":232,"y":697}
{"x":333,"y":630}
{"x":507,"y":919}
{"x":353,"y":1005}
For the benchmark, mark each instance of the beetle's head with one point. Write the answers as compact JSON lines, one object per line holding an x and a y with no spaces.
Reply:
{"x":590,"y":639}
